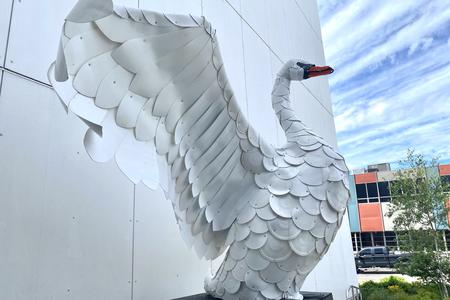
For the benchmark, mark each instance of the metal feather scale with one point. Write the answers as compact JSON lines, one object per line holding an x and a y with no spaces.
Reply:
{"x":154,"y":91}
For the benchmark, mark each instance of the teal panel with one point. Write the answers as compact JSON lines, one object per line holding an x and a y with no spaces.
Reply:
{"x":353,"y":213}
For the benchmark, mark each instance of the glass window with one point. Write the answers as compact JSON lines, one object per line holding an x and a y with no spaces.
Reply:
{"x":391,"y":239}
{"x":379,"y":250}
{"x":366,"y":239}
{"x":373,"y":200}
{"x":383,"y":187}
{"x":361,"y":190}
{"x":362,"y":200}
{"x":355,"y":241}
{"x":378,"y":238}
{"x":385,"y":199}
{"x":372,"y":190}
{"x":365,"y":252}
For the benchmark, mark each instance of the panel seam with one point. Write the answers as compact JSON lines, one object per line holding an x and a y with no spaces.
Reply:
{"x":28,"y":78}
{"x":7,"y":45}
{"x":308,"y":21}
{"x":132,"y":243}
{"x":276,"y":55}
{"x":7,"y":70}
{"x":245,"y":68}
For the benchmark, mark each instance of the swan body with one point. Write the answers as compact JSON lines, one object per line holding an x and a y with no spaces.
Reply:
{"x":154,"y":92}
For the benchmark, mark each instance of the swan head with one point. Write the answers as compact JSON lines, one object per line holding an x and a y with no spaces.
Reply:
{"x":298,"y":70}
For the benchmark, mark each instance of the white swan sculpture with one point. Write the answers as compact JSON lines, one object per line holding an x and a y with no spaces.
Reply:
{"x":153,"y":89}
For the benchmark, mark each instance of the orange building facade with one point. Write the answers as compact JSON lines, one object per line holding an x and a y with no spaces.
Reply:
{"x":370,"y":201}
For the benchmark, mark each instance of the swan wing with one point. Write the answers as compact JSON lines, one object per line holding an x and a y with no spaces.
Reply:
{"x":154,"y":92}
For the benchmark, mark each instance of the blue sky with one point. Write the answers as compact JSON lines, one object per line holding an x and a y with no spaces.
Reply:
{"x":391,"y":88}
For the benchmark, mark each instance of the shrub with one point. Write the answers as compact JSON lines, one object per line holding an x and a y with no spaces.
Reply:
{"x":395,"y":288}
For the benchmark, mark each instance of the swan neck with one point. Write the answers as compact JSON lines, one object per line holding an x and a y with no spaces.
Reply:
{"x":281,"y":104}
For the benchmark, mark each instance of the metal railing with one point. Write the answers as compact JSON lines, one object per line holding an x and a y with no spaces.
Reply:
{"x":354,"y":293}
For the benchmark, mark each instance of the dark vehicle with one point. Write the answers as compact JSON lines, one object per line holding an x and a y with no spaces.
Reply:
{"x":380,"y":257}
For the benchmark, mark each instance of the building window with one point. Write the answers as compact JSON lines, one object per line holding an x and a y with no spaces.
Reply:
{"x":356,"y":241}
{"x":361,"y":191}
{"x":366,"y":239}
{"x":372,"y":190}
{"x":391,"y":240}
{"x":383,"y":187}
{"x":378,"y":239}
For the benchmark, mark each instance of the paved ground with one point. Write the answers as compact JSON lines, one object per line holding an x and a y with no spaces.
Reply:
{"x":378,"y":274}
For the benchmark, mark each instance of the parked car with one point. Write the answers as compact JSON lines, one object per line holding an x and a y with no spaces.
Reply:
{"x":380,"y":257}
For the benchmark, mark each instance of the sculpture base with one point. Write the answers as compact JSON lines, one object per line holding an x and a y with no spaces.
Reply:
{"x":306,"y":296}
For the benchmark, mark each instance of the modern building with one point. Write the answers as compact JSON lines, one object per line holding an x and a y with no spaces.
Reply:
{"x":367,"y":210}
{"x":72,"y":228}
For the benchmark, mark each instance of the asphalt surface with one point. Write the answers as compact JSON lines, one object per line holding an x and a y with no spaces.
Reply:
{"x":377,"y":274}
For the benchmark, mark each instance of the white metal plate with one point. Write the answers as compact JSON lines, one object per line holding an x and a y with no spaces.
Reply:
{"x":63,"y":218}
{"x":5,"y":13}
{"x":162,"y":260}
{"x":229,"y":34}
{"x":30,"y":31}
{"x":184,"y":7}
{"x":259,"y":86}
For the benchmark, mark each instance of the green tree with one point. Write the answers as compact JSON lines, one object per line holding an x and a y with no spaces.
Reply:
{"x":419,"y":208}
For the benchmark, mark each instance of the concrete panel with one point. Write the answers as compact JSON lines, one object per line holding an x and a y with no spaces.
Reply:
{"x":5,"y":13}
{"x":164,"y":267}
{"x":256,"y":13}
{"x":308,"y":109}
{"x":193,"y":7}
{"x":305,"y":44}
{"x":304,"y":40}
{"x":229,"y":32}
{"x":309,"y":8}
{"x":258,"y":74}
{"x":34,"y":43}
{"x":386,"y":175}
{"x":64,"y":220}
{"x":388,"y":222}
{"x":279,"y":33}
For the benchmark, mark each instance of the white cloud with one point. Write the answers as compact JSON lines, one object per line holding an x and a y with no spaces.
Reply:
{"x":390,"y":88}
{"x":428,"y":23}
{"x":361,"y":32}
